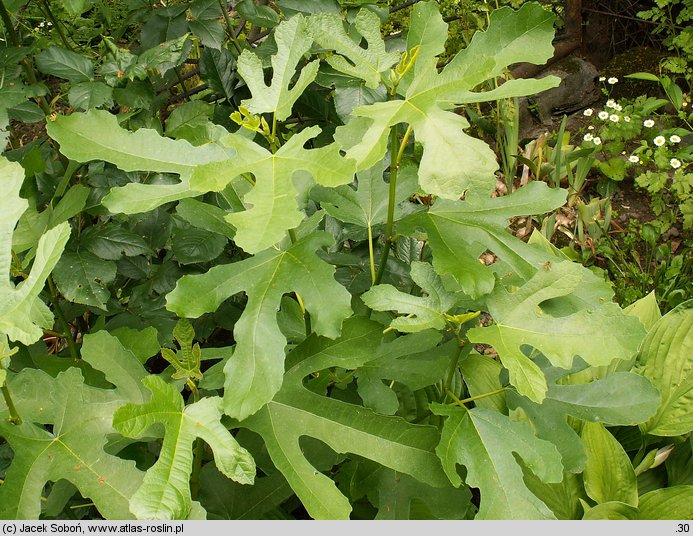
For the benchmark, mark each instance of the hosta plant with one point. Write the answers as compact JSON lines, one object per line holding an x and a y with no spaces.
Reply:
{"x":274,"y":319}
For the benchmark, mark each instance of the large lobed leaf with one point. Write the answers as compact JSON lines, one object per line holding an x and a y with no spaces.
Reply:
{"x":23,"y":316}
{"x":459,"y":232}
{"x":73,"y":450}
{"x":295,"y":411}
{"x":484,"y":441}
{"x":523,"y":317}
{"x":254,"y":373}
{"x":96,"y":135}
{"x":293,"y":41}
{"x":273,"y":200}
{"x":165,"y":490}
{"x":470,"y":163}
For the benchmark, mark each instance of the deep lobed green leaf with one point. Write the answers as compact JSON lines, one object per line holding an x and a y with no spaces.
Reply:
{"x":254,"y":373}
{"x":295,"y":411}
{"x":23,"y":316}
{"x":598,"y":334}
{"x":484,"y":441}
{"x":165,"y":490}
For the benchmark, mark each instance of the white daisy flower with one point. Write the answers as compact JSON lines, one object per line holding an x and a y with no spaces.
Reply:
{"x":626,"y":118}
{"x":675,"y":163}
{"x":674,"y":138}
{"x":591,"y":127}
{"x":588,"y":137}
{"x":614,"y":118}
{"x":611,"y":103}
{"x":634,"y":158}
{"x":659,"y":141}
{"x":603,"y":115}
{"x":588,"y":112}
{"x":613,"y":80}
{"x":602,"y":78}
{"x":597,"y":140}
{"x":648,"y":123}
{"x":618,"y":107}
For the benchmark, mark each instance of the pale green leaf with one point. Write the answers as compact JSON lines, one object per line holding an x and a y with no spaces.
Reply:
{"x":96,"y":135}
{"x":254,"y":373}
{"x":295,"y":411}
{"x":646,"y":310}
{"x":23,"y":316}
{"x":423,"y":312}
{"x":87,"y":95}
{"x":459,"y":232}
{"x":484,"y":441}
{"x":165,"y":490}
{"x":366,"y":63}
{"x":612,"y":510}
{"x":599,"y":334}
{"x":470,"y":163}
{"x":481,"y":375}
{"x":81,"y":418}
{"x":273,"y":199}
{"x":563,"y":497}
{"x":666,"y":357}
{"x":609,"y":475}
{"x":293,"y":41}
{"x":675,"y":502}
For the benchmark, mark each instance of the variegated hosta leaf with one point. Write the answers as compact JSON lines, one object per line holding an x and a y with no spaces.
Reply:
{"x":254,"y":373}
{"x":165,"y":491}
{"x":293,"y":41}
{"x":469,"y":163}
{"x":23,"y":316}
{"x":523,"y":318}
{"x":666,"y":358}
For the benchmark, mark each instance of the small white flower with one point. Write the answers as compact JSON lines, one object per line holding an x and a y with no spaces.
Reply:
{"x":614,"y":118}
{"x":659,"y":141}
{"x":626,"y":118}
{"x":588,"y":112}
{"x":591,"y":127}
{"x":613,"y":80}
{"x":648,"y":123}
{"x":674,"y":138}
{"x":675,"y":163}
{"x":618,"y":107}
{"x":597,"y":140}
{"x":41,"y":24}
{"x":634,"y":158}
{"x":602,"y":78}
{"x":611,"y":103}
{"x":588,"y":137}
{"x":603,"y":115}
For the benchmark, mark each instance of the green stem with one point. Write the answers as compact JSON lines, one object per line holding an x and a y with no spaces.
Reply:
{"x":452,"y":367}
{"x":72,"y":346}
{"x":198,"y":451}
{"x":229,"y":25}
{"x":461,"y":403}
{"x":14,"y":416}
{"x":57,"y":25}
{"x":396,"y":154}
{"x":371,"y":255}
